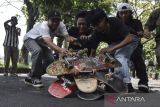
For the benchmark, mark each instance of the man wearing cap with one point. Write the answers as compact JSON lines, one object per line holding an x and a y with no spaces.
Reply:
{"x":152,"y":23}
{"x":11,"y":45}
{"x":39,"y":41}
{"x":135,"y":27}
{"x":121,"y":42}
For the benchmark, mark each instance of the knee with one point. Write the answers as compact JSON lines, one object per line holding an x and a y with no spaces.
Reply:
{"x":37,"y":51}
{"x":121,"y":58}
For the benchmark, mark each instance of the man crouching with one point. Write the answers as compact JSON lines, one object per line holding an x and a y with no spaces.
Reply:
{"x":121,"y":43}
{"x":39,"y":41}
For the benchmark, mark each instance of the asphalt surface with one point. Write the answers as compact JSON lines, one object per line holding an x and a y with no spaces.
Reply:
{"x":14,"y":93}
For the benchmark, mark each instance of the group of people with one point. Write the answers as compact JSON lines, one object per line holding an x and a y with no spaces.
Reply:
{"x":122,"y":34}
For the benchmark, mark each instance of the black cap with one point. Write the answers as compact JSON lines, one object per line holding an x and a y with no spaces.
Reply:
{"x":54,"y":14}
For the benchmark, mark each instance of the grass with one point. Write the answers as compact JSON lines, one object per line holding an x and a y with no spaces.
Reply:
{"x":1,"y":63}
{"x":20,"y":65}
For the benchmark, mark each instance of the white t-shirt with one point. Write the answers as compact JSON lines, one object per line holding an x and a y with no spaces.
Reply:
{"x":42,"y":30}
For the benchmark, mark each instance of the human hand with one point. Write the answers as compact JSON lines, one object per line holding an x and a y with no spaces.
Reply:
{"x":147,"y":34}
{"x":63,"y":51}
{"x":70,"y":39}
{"x":109,"y":50}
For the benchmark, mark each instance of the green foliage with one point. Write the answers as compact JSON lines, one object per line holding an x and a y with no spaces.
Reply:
{"x":101,"y":45}
{"x":20,"y":65}
{"x":68,"y":9}
{"x":1,"y":63}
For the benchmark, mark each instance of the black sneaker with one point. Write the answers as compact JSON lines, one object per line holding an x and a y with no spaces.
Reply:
{"x":37,"y":83}
{"x":28,"y":81}
{"x":130,"y":88}
{"x":34,"y":82}
{"x":14,"y":74}
{"x":143,"y":88}
{"x":5,"y":74}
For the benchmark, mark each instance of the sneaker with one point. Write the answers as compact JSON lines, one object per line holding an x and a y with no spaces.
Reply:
{"x":14,"y":74}
{"x":5,"y":74}
{"x":28,"y":81}
{"x":37,"y":83}
{"x":34,"y":82}
{"x":143,"y":88}
{"x":130,"y":88}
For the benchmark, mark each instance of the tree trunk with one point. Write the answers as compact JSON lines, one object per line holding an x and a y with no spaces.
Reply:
{"x":32,"y":17}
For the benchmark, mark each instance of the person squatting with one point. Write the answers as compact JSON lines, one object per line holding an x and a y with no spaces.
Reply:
{"x":122,"y":34}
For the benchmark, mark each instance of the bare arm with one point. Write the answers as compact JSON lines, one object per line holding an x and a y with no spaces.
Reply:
{"x":147,"y":33}
{"x":18,"y":31}
{"x":69,"y":38}
{"x":6,"y":23}
{"x":53,"y":46}
{"x":140,"y":34}
{"x":93,"y":53}
{"x":128,"y":39}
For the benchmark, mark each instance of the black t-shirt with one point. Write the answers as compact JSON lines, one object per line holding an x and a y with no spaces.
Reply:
{"x":134,"y":26}
{"x":117,"y":32}
{"x":75,"y":33}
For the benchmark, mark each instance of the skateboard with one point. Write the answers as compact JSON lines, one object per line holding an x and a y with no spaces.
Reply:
{"x":58,"y":68}
{"x":86,"y":83}
{"x":110,"y":82}
{"x":62,"y":88}
{"x":78,"y":61}
{"x":109,"y":60}
{"x":106,"y":82}
{"x":90,"y":96}
{"x":108,"y":79}
{"x":85,"y":79}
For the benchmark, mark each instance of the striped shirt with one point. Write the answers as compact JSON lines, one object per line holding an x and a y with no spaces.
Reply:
{"x":11,"y":38}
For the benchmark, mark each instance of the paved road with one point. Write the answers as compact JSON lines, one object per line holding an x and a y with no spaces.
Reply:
{"x":14,"y":93}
